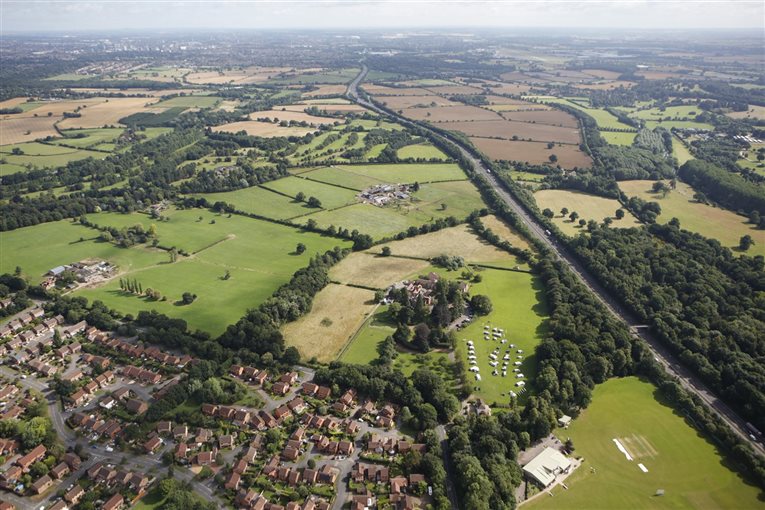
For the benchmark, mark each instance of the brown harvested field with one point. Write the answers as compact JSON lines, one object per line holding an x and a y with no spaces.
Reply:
{"x":447,"y":90}
{"x":509,"y":88}
{"x":325,"y":90}
{"x":337,"y":313}
{"x":505,"y":231}
{"x":659,"y":75}
{"x":135,"y":91}
{"x":523,"y":130}
{"x":550,"y":117}
{"x":382,"y":90}
{"x":516,"y":76}
{"x":26,"y":129}
{"x":289,"y":115}
{"x":363,"y":268}
{"x":589,"y":207}
{"x":109,"y":112}
{"x":264,"y":129}
{"x":457,"y":241}
{"x":56,"y":108}
{"x":501,"y":101}
{"x":328,"y":107}
{"x":253,"y":74}
{"x":602,"y":74}
{"x":12,"y":103}
{"x":451,"y":114}
{"x":536,"y":153}
{"x":609,"y":85}
{"x":752,"y":112}
{"x":400,"y":102}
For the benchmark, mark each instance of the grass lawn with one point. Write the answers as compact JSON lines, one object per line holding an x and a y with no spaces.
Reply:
{"x":680,"y":151}
{"x":436,"y":200}
{"x":402,"y":172}
{"x":260,"y":201}
{"x":520,"y":309}
{"x":330,"y":196}
{"x":363,"y":347}
{"x":88,"y":138}
{"x":42,"y":247}
{"x":618,"y":138}
{"x":715,"y":222}
{"x":338,"y":311}
{"x":42,"y":156}
{"x":589,"y":207}
{"x":259,"y":256}
{"x":679,"y":460}
{"x":152,"y":501}
{"x":423,"y":150}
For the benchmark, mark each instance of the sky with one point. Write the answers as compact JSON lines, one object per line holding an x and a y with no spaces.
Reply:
{"x":102,"y":15}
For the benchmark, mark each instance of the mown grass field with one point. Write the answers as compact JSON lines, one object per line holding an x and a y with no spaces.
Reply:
{"x":680,"y":152}
{"x":338,"y":311}
{"x":520,"y":309}
{"x":330,"y":196}
{"x":715,"y":222}
{"x":425,"y":151}
{"x":42,"y":247}
{"x":689,"y":468}
{"x":589,"y":207}
{"x":436,"y":200}
{"x":259,"y":255}
{"x":363,"y":347}
{"x":260,"y":201}
{"x":618,"y":138}
{"x":42,"y":156}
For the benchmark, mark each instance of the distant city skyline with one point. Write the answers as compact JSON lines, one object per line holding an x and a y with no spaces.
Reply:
{"x":62,"y":16}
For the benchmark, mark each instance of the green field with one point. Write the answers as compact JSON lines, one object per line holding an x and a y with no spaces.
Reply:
{"x":188,"y":102}
{"x":408,"y":173}
{"x":363,"y":348}
{"x":715,"y":222}
{"x":327,"y":76}
{"x":618,"y":138}
{"x":423,"y":150}
{"x":589,"y":207}
{"x":459,"y":197}
{"x":603,"y":118}
{"x":678,"y":124}
{"x":260,"y":201}
{"x":41,"y":155}
{"x":330,"y":196}
{"x":259,"y":255}
{"x":520,"y":309}
{"x":680,"y":151}
{"x":42,"y":247}
{"x":89,"y":138}
{"x":525,"y":176}
{"x":690,"y":469}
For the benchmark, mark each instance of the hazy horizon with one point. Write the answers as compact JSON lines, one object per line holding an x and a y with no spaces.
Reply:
{"x":25,"y":17}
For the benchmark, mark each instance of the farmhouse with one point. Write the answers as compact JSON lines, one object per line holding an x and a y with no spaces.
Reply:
{"x":546,"y":466}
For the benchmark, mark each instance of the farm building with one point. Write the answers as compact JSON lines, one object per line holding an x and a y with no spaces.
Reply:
{"x":546,"y":466}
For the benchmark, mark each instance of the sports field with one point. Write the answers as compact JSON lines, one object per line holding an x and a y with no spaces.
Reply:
{"x":715,"y":222}
{"x":337,"y":312}
{"x":679,"y":460}
{"x":589,"y":207}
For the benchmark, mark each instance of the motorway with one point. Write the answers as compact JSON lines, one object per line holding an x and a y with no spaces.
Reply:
{"x":661,"y":353}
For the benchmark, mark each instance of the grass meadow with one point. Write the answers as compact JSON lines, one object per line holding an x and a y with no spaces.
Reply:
{"x":714,"y":222}
{"x":689,"y":468}
{"x":589,"y":207}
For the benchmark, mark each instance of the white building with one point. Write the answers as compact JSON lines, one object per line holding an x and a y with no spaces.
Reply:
{"x":546,"y":466}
